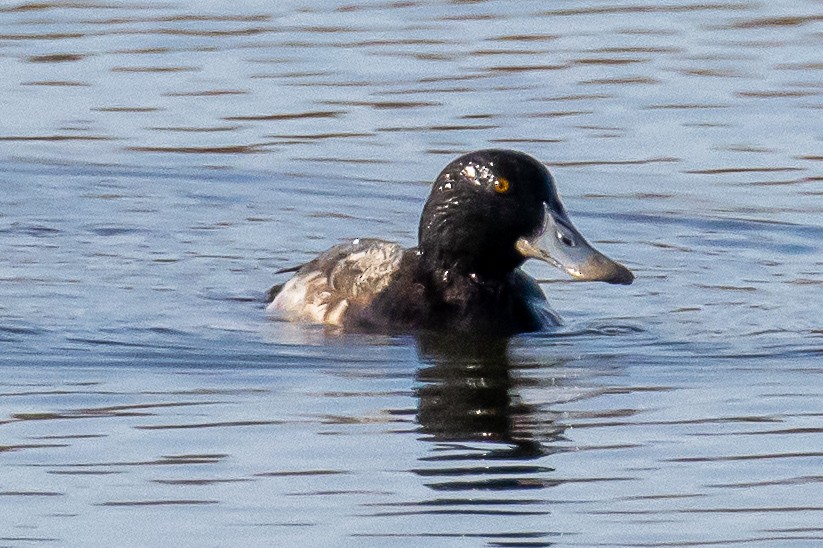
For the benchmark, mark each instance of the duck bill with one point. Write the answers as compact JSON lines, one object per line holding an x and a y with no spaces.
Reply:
{"x":561,"y":245}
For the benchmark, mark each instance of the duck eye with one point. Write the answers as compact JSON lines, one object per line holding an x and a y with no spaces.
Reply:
{"x":501,"y":185}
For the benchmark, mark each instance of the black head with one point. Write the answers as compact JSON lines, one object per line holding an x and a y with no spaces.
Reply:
{"x":479,"y":206}
{"x":490,"y":210}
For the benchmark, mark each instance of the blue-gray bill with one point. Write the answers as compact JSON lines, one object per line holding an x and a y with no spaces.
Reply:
{"x":561,"y":245}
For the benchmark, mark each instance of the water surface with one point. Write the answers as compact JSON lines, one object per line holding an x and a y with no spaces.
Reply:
{"x":159,"y":161}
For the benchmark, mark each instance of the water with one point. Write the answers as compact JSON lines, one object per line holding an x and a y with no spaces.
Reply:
{"x":159,"y":161}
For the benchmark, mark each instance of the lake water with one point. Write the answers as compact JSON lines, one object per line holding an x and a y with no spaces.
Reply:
{"x":159,"y":161}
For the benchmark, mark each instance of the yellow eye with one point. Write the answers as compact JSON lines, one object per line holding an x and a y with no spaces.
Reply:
{"x":501,"y":185}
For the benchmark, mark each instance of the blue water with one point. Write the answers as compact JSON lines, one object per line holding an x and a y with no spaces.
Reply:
{"x":159,"y":162}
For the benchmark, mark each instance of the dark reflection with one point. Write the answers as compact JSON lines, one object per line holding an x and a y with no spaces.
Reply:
{"x":469,"y":394}
{"x":466,"y":395}
{"x":486,"y":441}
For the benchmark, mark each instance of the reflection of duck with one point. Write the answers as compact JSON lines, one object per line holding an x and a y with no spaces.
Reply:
{"x":488,"y":212}
{"x":468,"y":394}
{"x":464,"y":396}
{"x":484,"y":438}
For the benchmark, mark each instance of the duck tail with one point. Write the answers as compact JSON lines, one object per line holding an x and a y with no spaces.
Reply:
{"x":273,"y":291}
{"x":289,"y":269}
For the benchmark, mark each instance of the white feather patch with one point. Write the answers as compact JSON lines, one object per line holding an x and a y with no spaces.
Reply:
{"x":323,"y":291}
{"x":302,"y":299}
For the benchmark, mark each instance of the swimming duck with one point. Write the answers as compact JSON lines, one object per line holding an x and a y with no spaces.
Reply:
{"x":488,"y":212}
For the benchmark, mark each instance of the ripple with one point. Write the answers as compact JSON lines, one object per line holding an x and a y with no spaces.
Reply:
{"x":471,"y":471}
{"x":771,"y":94}
{"x":638,"y":9}
{"x":769,"y":22}
{"x":726,"y":170}
{"x":206,"y":93}
{"x":516,"y":484}
{"x":630,"y":80}
{"x":519,"y":38}
{"x":228,"y":149}
{"x":58,"y":83}
{"x":685,"y":106}
{"x":56,"y":58}
{"x":156,"y":69}
{"x":126,"y":109}
{"x":161,"y":502}
{"x":388,"y":105}
{"x":201,"y":482}
{"x":192,"y":129}
{"x":43,"y":36}
{"x":616,"y":162}
{"x":289,"y":116}
{"x":20,"y":447}
{"x":801,"y":480}
{"x":56,"y":138}
{"x":31,"y":494}
{"x":225,"y":424}
{"x":300,"y":473}
{"x":527,"y":68}
{"x":607,"y":61}
{"x":769,"y":456}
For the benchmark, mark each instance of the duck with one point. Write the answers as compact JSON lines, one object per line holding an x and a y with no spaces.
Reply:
{"x":488,"y":212}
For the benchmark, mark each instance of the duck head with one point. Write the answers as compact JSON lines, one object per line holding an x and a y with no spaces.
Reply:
{"x":490,"y":210}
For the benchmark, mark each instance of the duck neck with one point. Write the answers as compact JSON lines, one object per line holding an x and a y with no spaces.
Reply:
{"x":446,"y":271}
